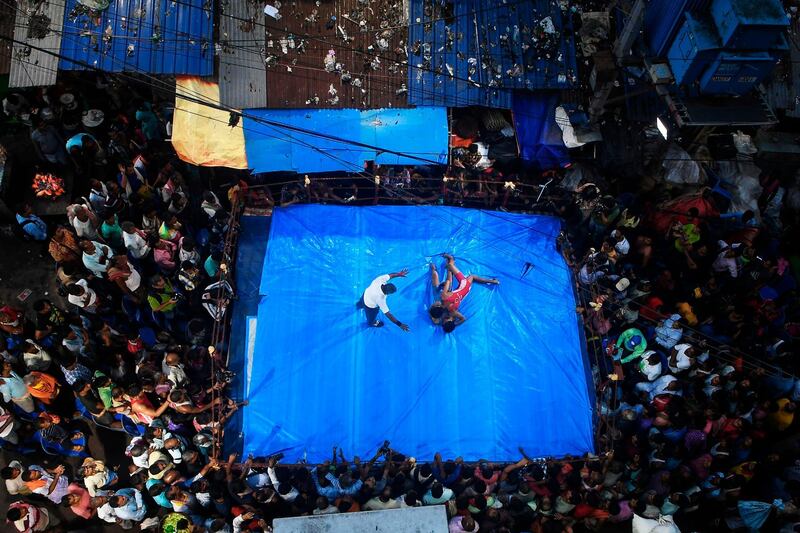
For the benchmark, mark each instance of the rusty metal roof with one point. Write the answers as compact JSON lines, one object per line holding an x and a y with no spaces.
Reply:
{"x":36,"y":24}
{"x":366,"y":68}
{"x":242,"y":73}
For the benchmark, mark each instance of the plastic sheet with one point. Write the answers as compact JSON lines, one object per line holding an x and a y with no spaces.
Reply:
{"x":200,"y":134}
{"x":513,"y":374}
{"x":271,"y":148}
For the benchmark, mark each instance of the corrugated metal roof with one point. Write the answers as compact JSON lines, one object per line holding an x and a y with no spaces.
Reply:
{"x":365,"y":74}
{"x":478,"y":51}
{"x":153,"y":36}
{"x":7,"y":14}
{"x":242,"y":73}
{"x":29,"y":67}
{"x":782,"y":90}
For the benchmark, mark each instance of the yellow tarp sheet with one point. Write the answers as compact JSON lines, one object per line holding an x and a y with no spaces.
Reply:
{"x":200,"y":134}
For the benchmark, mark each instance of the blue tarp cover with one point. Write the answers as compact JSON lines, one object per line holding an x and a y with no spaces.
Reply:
{"x":492,"y":48}
{"x":539,"y":137}
{"x":513,"y":374}
{"x":152,"y":36}
{"x":420,"y":132}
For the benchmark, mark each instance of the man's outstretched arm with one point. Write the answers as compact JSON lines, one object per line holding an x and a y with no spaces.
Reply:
{"x":400,"y":274}
{"x":399,"y":324}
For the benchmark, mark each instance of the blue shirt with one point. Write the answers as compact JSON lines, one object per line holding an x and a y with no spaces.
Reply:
{"x":134,"y":509}
{"x":77,"y":140}
{"x":33,"y":226}
{"x":666,"y":335}
{"x":160,"y":499}
{"x":13,"y":387}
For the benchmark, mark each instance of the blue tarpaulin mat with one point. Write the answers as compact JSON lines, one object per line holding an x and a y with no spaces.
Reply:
{"x":539,"y":137}
{"x":513,"y":374}
{"x":421,"y":133}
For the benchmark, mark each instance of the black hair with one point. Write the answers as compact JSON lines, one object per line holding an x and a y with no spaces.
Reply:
{"x":38,"y":305}
{"x":449,"y":325}
{"x":14,"y":514}
{"x":614,"y":508}
{"x":79,"y":384}
{"x":436,"y":310}
{"x":388,"y":288}
{"x":7,"y":473}
{"x":156,"y":489}
{"x":344,"y":506}
{"x":437,"y":490}
{"x":74,"y":289}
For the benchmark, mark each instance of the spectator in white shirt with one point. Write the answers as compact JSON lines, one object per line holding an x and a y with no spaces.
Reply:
{"x":621,"y":244}
{"x":82,"y":297}
{"x":667,"y":384}
{"x":134,"y":241}
{"x":12,"y":474}
{"x":650,"y":365}
{"x":726,"y":260}
{"x":681,"y":357}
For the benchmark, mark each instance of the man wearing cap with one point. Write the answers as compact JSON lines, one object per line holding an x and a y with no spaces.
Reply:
{"x":374,"y":299}
{"x":632,"y":343}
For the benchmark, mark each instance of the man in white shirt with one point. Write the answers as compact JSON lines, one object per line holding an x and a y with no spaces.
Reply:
{"x":134,"y":241}
{"x":681,"y":357}
{"x":726,"y":260}
{"x":374,"y":299}
{"x":12,"y":474}
{"x":81,"y":296}
{"x":621,"y":244}
{"x":650,"y":365}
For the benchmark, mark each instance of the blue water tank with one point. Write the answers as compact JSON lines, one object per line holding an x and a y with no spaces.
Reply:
{"x":750,"y":24}
{"x":663,"y":19}
{"x":695,"y":46}
{"x":736,"y":73}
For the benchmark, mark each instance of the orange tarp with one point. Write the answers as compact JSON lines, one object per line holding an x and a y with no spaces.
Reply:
{"x":200,"y":134}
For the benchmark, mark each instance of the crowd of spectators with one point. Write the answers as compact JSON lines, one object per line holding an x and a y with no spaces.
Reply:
{"x":691,"y":320}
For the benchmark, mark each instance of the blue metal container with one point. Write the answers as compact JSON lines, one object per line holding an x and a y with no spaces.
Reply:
{"x":695,"y":46}
{"x":750,"y":24}
{"x":736,"y":73}
{"x":663,"y":19}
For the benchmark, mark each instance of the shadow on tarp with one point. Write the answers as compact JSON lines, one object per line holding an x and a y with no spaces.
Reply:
{"x":250,"y":256}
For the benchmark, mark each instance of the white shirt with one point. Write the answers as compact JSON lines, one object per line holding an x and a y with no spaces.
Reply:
{"x":106,"y":513}
{"x":135,"y":244}
{"x":291,"y":495}
{"x":85,"y":230}
{"x":374,"y":296}
{"x":87,"y":299}
{"x":13,"y":486}
{"x":651,"y":372}
{"x":622,"y":247}
{"x":682,"y":361}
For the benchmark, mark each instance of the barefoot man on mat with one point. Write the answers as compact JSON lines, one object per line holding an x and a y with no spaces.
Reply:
{"x":451,"y":299}
{"x":374,"y":299}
